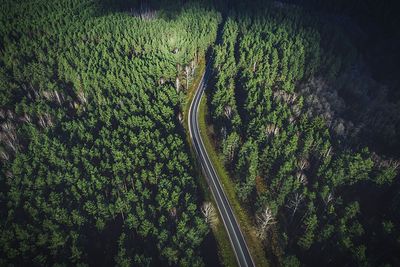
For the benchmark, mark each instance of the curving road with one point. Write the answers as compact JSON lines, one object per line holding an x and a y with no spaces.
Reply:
{"x":238,"y":243}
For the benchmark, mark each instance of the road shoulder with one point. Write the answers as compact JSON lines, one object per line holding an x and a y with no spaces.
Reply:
{"x":225,"y":251}
{"x":254,"y":244}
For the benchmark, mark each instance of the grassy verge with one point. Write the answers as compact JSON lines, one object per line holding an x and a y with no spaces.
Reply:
{"x":225,"y":251}
{"x":254,"y":244}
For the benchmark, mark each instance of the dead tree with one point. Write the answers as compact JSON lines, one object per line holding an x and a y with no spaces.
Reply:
{"x":328,"y":152}
{"x":58,"y":98}
{"x":295,"y":202}
{"x":10,"y":114}
{"x":296,"y":110}
{"x":173,"y":213}
{"x":271,"y":130}
{"x":8,"y":136}
{"x":180,"y":118}
{"x":303,"y":164}
{"x":264,"y":221}
{"x":328,"y":199}
{"x":81,"y":97}
{"x":25,"y":118}
{"x":254,"y":66}
{"x":393,"y":163}
{"x":52,"y":96}
{"x":192,"y":67}
{"x":42,"y":122}
{"x":45,"y":120}
{"x":301,"y":178}
{"x":177,"y":84}
{"x":209,"y":213}
{"x":187,"y":73}
{"x":288,"y":98}
{"x":4,"y":155}
{"x":291,"y":119}
{"x":228,"y":112}
{"x":49,"y":120}
{"x":384,"y":163}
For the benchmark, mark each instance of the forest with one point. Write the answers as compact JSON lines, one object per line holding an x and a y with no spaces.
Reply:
{"x":304,"y":107}
{"x":95,"y":168}
{"x":308,"y":135}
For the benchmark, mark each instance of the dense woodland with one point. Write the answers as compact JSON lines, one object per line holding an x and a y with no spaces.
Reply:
{"x":94,"y":165}
{"x":296,"y":112}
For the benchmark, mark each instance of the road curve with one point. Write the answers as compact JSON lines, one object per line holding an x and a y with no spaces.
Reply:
{"x":238,"y":243}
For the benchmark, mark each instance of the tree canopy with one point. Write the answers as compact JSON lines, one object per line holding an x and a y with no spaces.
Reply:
{"x":94,"y":164}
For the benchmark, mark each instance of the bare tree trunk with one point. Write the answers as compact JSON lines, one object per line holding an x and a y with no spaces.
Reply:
{"x":187,"y":73}
{"x":264,"y":221}
{"x":209,"y":213}
{"x":177,"y":84}
{"x":295,"y":202}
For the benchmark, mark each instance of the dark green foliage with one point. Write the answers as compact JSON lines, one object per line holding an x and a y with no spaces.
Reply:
{"x":94,"y":166}
{"x":289,"y":160}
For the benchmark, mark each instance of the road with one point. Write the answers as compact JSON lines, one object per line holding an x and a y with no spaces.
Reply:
{"x":238,"y":243}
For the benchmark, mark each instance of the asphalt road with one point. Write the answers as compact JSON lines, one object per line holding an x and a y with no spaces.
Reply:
{"x":238,"y":243}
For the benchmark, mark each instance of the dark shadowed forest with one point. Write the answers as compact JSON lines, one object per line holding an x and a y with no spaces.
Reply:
{"x":305,"y":107}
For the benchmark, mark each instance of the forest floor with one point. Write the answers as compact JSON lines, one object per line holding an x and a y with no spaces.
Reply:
{"x":225,"y":251}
